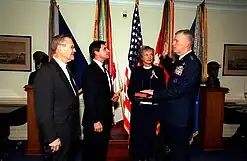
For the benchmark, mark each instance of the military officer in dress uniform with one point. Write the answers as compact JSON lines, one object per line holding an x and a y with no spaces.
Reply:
{"x":179,"y":97}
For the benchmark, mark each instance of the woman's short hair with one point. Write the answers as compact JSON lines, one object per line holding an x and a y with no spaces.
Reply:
{"x":145,"y":48}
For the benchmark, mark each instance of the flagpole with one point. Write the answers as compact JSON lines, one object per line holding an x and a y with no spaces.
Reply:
{"x":205,"y":54}
{"x":171,"y":28}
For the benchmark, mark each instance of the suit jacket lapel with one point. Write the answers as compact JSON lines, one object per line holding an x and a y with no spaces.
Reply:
{"x":63,"y":76}
{"x":97,"y":67}
{"x":74,"y":84}
{"x":103,"y":74}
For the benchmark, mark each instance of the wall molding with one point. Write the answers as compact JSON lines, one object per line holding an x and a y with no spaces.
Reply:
{"x":182,"y":4}
{"x":8,"y":96}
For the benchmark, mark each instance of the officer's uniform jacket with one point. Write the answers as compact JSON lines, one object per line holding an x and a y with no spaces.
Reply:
{"x":179,"y":97}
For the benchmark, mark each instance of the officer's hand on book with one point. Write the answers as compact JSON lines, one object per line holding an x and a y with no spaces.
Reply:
{"x":148,"y":91}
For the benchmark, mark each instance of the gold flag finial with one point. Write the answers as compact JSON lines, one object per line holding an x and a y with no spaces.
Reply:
{"x":54,"y":3}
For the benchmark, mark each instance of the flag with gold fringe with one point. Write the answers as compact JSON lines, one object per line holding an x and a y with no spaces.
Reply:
{"x":166,"y":35}
{"x":199,"y":28}
{"x":103,"y":31}
{"x":167,"y":28}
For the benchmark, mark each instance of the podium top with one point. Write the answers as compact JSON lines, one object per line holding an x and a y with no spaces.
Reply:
{"x":211,"y":89}
{"x":28,"y":87}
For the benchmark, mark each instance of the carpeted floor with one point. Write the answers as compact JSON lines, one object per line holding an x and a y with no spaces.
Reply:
{"x":232,"y":152}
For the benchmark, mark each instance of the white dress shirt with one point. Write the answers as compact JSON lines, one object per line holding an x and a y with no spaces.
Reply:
{"x":100,"y":64}
{"x":145,"y":102}
{"x":181,"y":57}
{"x":63,"y":67}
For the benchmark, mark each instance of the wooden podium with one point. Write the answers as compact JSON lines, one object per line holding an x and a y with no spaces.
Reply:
{"x":211,"y":117}
{"x":33,"y":145}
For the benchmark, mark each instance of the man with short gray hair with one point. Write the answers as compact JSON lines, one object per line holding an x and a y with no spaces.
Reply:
{"x":57,"y":102}
{"x":179,"y":97}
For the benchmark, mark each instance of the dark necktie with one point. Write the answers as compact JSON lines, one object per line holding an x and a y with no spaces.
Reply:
{"x":104,"y":68}
{"x":106,"y":72}
{"x":71,"y":79}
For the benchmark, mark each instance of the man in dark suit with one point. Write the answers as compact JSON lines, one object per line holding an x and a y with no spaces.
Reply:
{"x":179,"y":98}
{"x":57,"y":102}
{"x":98,"y":99}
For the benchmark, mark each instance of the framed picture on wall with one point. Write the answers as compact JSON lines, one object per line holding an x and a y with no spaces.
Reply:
{"x":15,"y":53}
{"x":235,"y":60}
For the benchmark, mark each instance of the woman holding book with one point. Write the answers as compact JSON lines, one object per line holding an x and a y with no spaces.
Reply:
{"x":144,"y":111}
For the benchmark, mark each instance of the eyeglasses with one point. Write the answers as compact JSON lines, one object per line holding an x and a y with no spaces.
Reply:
{"x":70,"y":46}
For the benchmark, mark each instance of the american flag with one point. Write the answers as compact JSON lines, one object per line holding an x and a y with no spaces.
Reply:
{"x":135,"y":45}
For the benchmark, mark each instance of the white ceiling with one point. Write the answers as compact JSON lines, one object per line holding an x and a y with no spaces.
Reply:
{"x":224,"y":1}
{"x":193,"y":1}
{"x":176,"y":1}
{"x":215,"y":1}
{"x":211,"y":4}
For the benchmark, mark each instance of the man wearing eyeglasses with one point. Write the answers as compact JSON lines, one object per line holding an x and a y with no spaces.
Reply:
{"x":57,"y":101}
